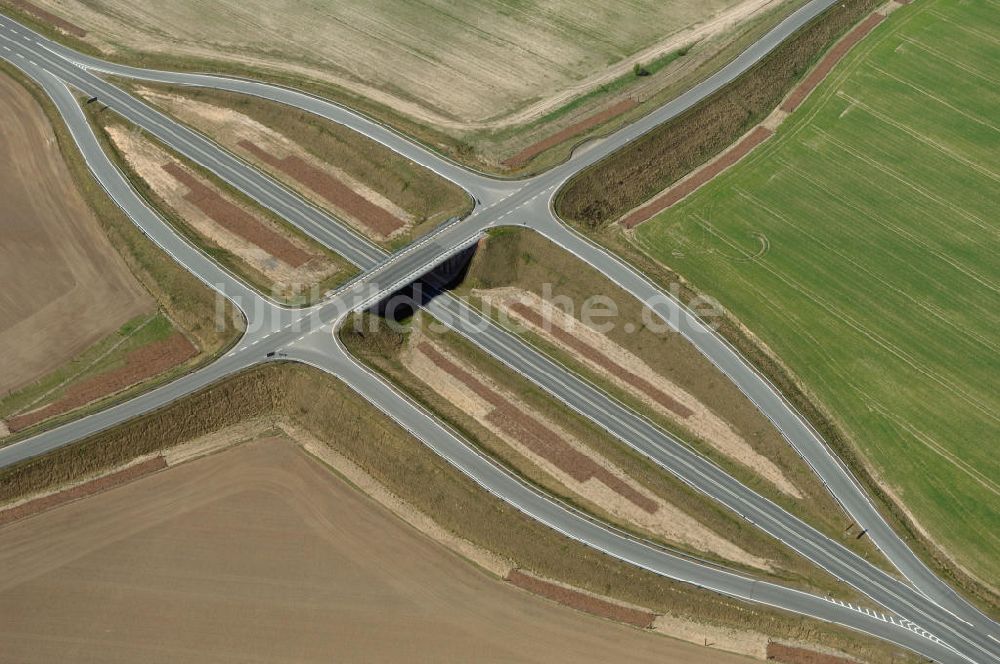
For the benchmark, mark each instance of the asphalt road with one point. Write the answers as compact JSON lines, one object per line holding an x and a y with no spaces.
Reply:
{"x":525,"y":203}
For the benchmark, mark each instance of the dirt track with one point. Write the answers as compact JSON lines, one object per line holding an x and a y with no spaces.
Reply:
{"x":260,"y":554}
{"x":65,"y":287}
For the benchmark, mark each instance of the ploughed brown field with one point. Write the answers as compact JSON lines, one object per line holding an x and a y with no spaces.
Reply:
{"x":64,"y":286}
{"x":260,"y":553}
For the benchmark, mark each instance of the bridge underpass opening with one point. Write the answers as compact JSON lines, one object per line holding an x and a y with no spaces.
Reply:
{"x":403,"y":303}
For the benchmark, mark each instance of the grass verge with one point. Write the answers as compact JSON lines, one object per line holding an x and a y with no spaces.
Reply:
{"x":632,"y":175}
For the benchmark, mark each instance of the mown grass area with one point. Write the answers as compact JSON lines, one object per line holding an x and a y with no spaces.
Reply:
{"x":523,"y":259}
{"x":304,"y":294}
{"x":860,"y":246}
{"x":427,"y":197}
{"x":325,"y":408}
{"x":382,"y":350}
{"x":632,"y":175}
{"x":183,"y":300}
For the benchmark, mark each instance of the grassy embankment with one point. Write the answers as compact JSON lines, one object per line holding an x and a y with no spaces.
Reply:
{"x":637,"y":172}
{"x":485,"y":149}
{"x":291,"y":294}
{"x":306,"y":398}
{"x":184,"y":303}
{"x":524,"y":260}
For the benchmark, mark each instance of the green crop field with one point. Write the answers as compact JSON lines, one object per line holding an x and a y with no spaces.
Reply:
{"x":862,"y":245}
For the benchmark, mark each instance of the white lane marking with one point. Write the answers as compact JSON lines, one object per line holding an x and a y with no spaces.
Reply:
{"x":900,"y":622}
{"x":20,"y":55}
{"x":6,"y":49}
{"x":33,"y":62}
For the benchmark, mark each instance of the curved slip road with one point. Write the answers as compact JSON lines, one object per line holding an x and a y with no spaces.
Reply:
{"x":521,"y":205}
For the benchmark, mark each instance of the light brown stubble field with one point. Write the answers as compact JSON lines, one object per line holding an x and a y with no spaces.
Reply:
{"x":260,"y":553}
{"x":451,"y":65}
{"x":64,"y":285}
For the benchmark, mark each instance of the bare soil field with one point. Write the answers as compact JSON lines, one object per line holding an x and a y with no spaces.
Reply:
{"x":177,"y":301}
{"x":260,"y":553}
{"x":70,"y":494}
{"x":65,"y":286}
